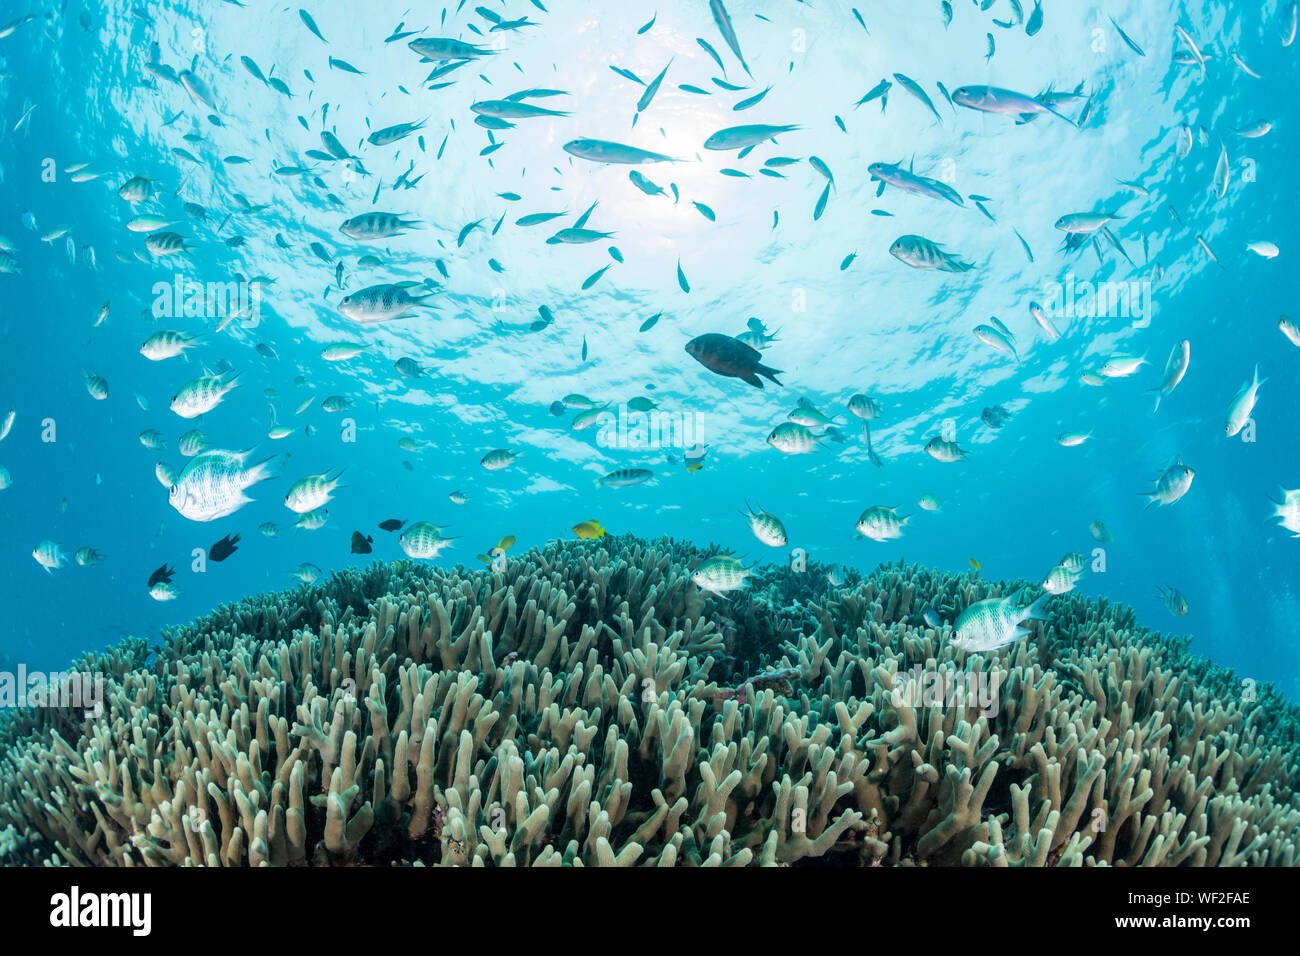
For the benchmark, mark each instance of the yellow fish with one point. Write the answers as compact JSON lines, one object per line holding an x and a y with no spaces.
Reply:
{"x":695,"y":466}
{"x":589,"y":530}
{"x":503,"y":545}
{"x":975,"y":563}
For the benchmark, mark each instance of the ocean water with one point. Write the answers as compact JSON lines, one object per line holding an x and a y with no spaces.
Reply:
{"x":99,"y":85}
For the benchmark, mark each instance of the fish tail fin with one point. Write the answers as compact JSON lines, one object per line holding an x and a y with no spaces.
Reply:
{"x":260,"y":471}
{"x":1037,"y":610}
{"x":1055,"y":112}
{"x":768,"y":373}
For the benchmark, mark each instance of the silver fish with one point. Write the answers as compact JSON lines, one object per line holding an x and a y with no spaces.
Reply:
{"x":212,"y":484}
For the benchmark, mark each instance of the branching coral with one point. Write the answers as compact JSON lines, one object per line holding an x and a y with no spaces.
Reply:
{"x":577,"y":709}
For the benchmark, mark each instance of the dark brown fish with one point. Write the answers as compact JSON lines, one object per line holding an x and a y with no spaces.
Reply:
{"x":392,"y":524}
{"x":223,"y":548}
{"x":163,"y":574}
{"x":730,"y":357}
{"x":361,"y":543}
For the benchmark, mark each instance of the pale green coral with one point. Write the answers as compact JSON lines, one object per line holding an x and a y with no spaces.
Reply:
{"x":567,"y":712}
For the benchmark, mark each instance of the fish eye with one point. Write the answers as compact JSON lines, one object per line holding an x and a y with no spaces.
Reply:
{"x":175,"y":489}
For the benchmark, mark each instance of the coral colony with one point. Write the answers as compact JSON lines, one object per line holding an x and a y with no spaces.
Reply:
{"x":590,"y":705}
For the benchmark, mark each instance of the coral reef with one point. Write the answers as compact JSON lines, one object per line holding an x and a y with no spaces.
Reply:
{"x":588,"y":705}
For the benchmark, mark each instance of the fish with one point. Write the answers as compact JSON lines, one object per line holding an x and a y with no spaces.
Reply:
{"x":1128,"y":41}
{"x":224,"y":548}
{"x":312,"y":520}
{"x":1221,"y":173}
{"x":996,"y":339}
{"x":1263,"y":248}
{"x":1174,"y":482}
{"x":1284,"y":324}
{"x":575,"y":236}
{"x":198,"y":90}
{"x":994,"y":99}
{"x":162,"y":575}
{"x":1192,"y":48}
{"x":603,"y":151}
{"x":167,"y":343}
{"x":7,"y":423}
{"x":445,"y":48}
{"x":929,"y":502}
{"x":995,"y":622}
{"x":162,"y":591}
{"x":344,"y":66}
{"x":96,"y":385}
{"x":766,"y":527}
{"x":625,"y":478}
{"x":513,"y":110}
{"x":894,"y":175}
{"x":995,"y":417}
{"x":498,"y":459}
{"x":395,"y":133}
{"x":1085,"y":223}
{"x":745,"y":137}
{"x":87,"y":557}
{"x":728,"y":357}
{"x":864,"y":407}
{"x":1071,"y":439}
{"x":361,"y":543}
{"x":191,"y":443}
{"x":1242,"y":404}
{"x":751,"y":101}
{"x":1121,"y":366}
{"x":1060,"y":580}
{"x":212,"y":484}
{"x":881,"y":523}
{"x":380,"y":303}
{"x":643,"y":184}
{"x":201,"y":395}
{"x":791,"y":438}
{"x":1174,"y":600}
{"x":1100,"y":533}
{"x":1035,"y":21}
{"x":922,"y":253}
{"x":1040,"y":316}
{"x":392,"y":524}
{"x":723,"y":22}
{"x":1175,"y":369}
{"x":162,"y":244}
{"x":1287,"y":511}
{"x":307,"y":573}
{"x":49,"y":555}
{"x":648,"y":95}
{"x":408,"y":367}
{"x":424,"y":541}
{"x":310,"y":493}
{"x":376,"y":225}
{"x":881,"y":90}
{"x":941,"y":449}
{"x":311,"y":25}
{"x":913,"y":87}
{"x":720,"y":575}
{"x":589,"y":530}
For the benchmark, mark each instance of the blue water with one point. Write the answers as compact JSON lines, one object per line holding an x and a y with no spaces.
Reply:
{"x":1016,"y":504}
